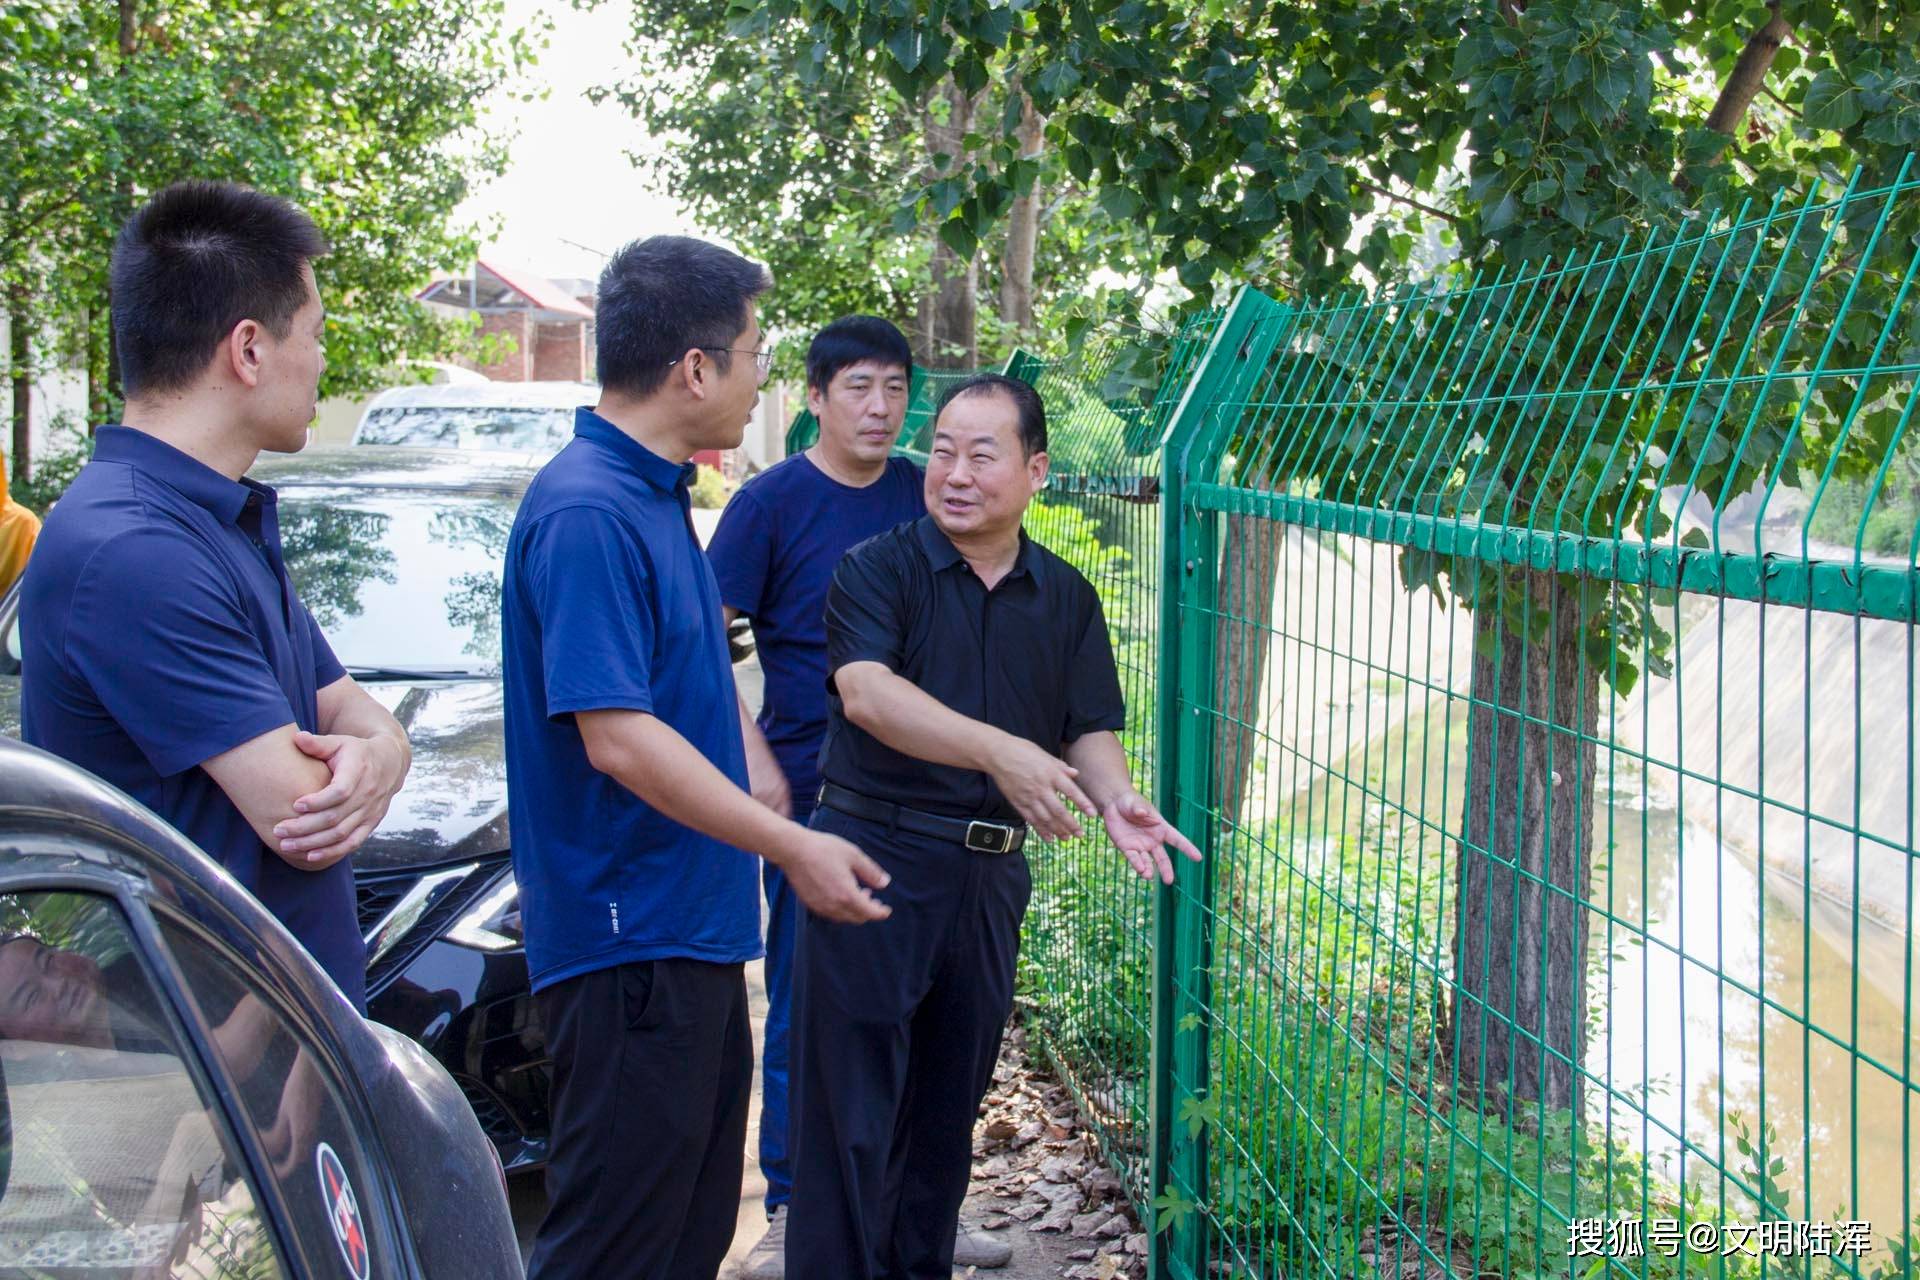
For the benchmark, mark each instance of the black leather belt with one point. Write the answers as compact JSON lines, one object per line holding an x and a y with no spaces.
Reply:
{"x":977,"y":834}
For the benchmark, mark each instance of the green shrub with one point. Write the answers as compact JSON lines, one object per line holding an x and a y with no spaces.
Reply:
{"x":709,"y":489}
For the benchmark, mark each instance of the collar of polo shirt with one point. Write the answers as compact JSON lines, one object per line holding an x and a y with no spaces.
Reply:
{"x":191,"y":478}
{"x":943,"y":555}
{"x":648,"y":465}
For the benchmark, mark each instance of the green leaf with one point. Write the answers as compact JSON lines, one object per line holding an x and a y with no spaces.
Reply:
{"x":907,"y":48}
{"x":1120,"y":203}
{"x":1503,"y":213}
{"x":1057,"y":80}
{"x":960,"y":237}
{"x":971,"y":75}
{"x":994,"y":26}
{"x":1832,"y":102}
{"x":1171,"y":1209}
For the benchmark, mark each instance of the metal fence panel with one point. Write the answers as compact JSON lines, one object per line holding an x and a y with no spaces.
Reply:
{"x":1556,"y":697}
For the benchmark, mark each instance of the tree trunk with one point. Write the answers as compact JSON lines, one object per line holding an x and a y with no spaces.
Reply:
{"x":1249,"y":570}
{"x":947,"y":314}
{"x":1517,"y":1029}
{"x":123,"y":184}
{"x":98,"y":354}
{"x":19,"y":357}
{"x":1023,"y":232}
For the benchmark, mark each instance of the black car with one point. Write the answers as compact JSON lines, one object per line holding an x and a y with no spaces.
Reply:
{"x":398,"y":554}
{"x":183,"y":1092}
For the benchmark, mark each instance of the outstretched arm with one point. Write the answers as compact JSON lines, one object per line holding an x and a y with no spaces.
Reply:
{"x":1133,"y":824}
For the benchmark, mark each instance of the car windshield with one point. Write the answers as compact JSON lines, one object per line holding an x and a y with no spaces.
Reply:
{"x":523,"y":429}
{"x":401,"y":581}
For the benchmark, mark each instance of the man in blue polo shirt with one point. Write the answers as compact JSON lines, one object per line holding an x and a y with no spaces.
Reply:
{"x":164,"y":646}
{"x":627,"y":778}
{"x":774,"y":554}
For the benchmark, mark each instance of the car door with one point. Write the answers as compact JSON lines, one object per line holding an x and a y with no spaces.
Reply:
{"x":308,"y":1123}
{"x":117,"y":1155}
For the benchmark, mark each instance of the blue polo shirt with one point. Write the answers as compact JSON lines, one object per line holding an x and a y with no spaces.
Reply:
{"x":607,"y":603}
{"x":159,"y":629}
{"x":774,"y":554}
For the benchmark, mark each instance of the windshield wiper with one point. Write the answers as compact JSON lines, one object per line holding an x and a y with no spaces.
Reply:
{"x":416,"y":673}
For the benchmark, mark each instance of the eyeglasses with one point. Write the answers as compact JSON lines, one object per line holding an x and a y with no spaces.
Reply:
{"x":762,"y":359}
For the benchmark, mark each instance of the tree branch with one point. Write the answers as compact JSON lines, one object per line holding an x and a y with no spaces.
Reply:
{"x":1749,"y":73}
{"x":1782,"y":103}
{"x":1409,"y":201}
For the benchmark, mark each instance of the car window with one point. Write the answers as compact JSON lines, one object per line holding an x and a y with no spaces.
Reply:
{"x":112,"y":1161}
{"x":293,"y":1101}
{"x":522,"y":429}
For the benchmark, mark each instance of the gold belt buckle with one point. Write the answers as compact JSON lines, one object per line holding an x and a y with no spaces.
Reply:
{"x":1000,"y":838}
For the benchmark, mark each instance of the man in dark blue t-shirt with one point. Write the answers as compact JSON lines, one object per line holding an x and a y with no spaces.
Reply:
{"x":627,"y":778}
{"x":774,"y":555}
{"x":164,"y":646}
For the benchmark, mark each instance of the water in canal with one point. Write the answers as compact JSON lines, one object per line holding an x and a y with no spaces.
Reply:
{"x":1728,"y":997}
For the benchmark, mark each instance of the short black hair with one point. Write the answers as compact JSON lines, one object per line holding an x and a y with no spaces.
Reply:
{"x":1033,"y":413}
{"x":195,"y":261}
{"x":661,"y":297}
{"x":851,"y":339}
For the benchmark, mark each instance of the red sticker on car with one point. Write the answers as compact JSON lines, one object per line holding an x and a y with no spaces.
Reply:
{"x":343,"y":1212}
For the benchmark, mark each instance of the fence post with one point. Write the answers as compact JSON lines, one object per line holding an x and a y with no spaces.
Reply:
{"x":1025,"y":366}
{"x":1223,"y":380}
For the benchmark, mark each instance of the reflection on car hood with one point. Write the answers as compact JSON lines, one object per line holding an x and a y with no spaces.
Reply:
{"x":454,"y":806}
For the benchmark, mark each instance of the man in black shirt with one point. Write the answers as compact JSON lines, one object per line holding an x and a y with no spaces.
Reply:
{"x":972,"y":694}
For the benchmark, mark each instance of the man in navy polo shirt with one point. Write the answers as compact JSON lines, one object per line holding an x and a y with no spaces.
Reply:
{"x":774,"y":554}
{"x":627,"y":778}
{"x":164,"y":646}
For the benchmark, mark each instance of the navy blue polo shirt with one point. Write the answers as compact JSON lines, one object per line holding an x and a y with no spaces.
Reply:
{"x":608,"y":603}
{"x":774,"y":554}
{"x":159,"y":629}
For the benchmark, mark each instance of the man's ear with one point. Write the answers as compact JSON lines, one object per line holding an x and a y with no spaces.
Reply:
{"x":695,"y":370}
{"x":244,"y":352}
{"x":1037,"y":467}
{"x":815,"y":400}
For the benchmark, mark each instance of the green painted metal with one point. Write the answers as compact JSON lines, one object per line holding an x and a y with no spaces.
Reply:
{"x":1087,"y":964}
{"x":1195,"y":440}
{"x":1698,"y":447}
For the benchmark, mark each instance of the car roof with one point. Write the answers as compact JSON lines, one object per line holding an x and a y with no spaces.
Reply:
{"x":555,"y":395}
{"x":377,"y":466}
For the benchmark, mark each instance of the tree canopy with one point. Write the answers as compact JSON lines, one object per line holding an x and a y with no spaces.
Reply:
{"x":1255,"y":139}
{"x":835,"y":176}
{"x":364,"y":112}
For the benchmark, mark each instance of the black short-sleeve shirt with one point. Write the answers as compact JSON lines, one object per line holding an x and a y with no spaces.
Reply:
{"x":1031,"y":657}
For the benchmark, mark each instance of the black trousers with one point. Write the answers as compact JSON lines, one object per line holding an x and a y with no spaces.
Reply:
{"x":652,"y":1074}
{"x":896,"y":1026}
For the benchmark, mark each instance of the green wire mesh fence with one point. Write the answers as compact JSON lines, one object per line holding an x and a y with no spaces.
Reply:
{"x":1542,"y":690}
{"x":1087,"y":963}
